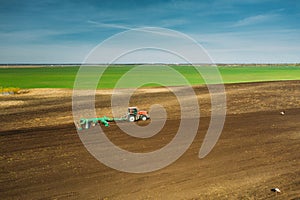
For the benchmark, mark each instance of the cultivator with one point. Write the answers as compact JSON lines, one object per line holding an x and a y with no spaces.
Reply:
{"x":132,"y":115}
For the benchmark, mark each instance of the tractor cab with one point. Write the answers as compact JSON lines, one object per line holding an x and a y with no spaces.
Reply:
{"x":133,"y":110}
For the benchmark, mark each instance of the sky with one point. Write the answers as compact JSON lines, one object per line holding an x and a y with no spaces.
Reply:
{"x":231,"y":31}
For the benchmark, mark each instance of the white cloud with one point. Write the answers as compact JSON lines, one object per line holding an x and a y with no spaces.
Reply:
{"x":51,"y":53}
{"x":146,"y":29}
{"x":110,"y":25}
{"x":35,"y":35}
{"x":256,"y":19}
{"x":265,"y":46}
{"x":272,"y":46}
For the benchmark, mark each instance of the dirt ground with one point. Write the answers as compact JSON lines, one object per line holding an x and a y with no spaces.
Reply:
{"x":42,"y":156}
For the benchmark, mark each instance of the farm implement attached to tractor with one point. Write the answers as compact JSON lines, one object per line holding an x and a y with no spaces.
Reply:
{"x":132,"y":115}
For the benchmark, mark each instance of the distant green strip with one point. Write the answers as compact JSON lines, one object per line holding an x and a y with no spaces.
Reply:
{"x":63,"y":77}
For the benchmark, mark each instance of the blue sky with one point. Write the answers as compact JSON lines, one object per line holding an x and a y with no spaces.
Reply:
{"x":232,"y":31}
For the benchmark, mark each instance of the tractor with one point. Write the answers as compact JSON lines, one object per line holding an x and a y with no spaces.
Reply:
{"x":134,"y":114}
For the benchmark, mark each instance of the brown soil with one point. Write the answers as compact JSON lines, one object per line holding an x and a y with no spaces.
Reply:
{"x":42,"y":156}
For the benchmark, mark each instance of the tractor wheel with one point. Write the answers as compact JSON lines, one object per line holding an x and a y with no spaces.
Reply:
{"x":144,"y":118}
{"x":131,"y":118}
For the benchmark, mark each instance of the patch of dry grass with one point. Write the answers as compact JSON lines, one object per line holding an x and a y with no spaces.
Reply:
{"x":10,"y":90}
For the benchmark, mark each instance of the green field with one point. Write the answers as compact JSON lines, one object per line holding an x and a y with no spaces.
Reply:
{"x":63,"y":77}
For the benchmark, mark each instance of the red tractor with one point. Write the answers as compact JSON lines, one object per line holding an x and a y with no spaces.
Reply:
{"x":134,"y":114}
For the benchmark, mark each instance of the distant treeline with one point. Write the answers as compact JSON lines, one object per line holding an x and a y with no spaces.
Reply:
{"x":177,"y":64}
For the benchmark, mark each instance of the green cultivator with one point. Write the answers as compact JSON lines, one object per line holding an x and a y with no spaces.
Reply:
{"x":87,"y":123}
{"x":132,"y":115}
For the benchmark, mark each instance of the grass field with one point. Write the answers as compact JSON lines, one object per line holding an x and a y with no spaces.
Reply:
{"x":63,"y":77}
